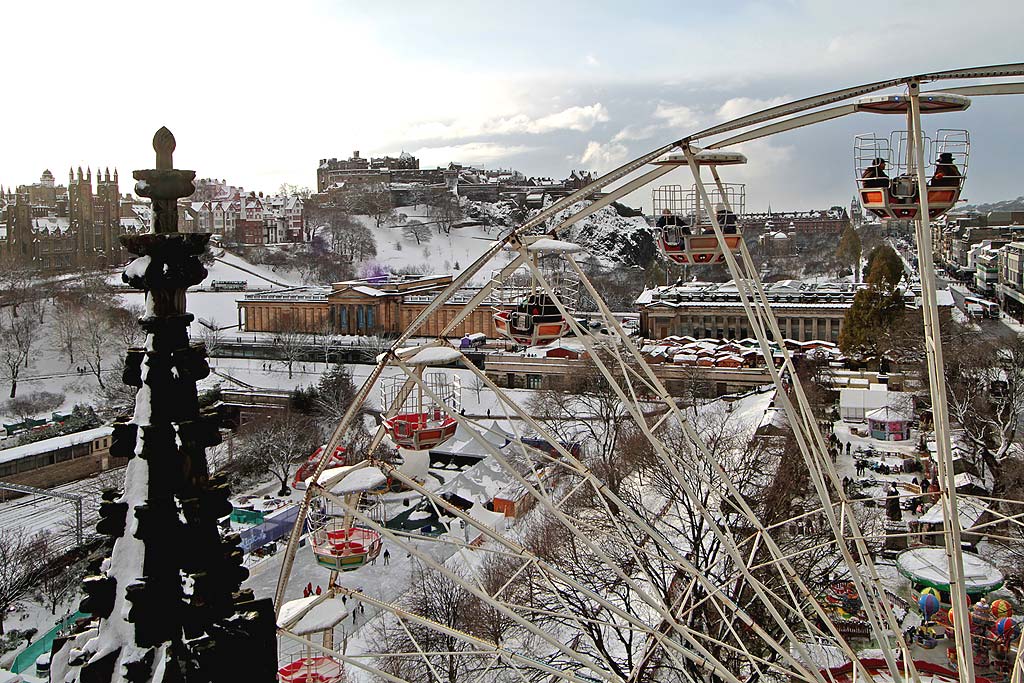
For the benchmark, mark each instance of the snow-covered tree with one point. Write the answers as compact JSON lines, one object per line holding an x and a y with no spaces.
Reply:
{"x":22,"y":558}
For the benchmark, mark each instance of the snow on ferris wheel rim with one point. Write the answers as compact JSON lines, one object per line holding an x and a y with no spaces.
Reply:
{"x":351,"y":479}
{"x":553,"y":246}
{"x":931,"y":103}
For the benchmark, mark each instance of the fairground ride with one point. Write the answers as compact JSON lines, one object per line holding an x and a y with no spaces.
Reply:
{"x":666,"y":610}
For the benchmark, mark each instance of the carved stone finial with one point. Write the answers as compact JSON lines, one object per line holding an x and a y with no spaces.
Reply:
{"x":164,"y":144}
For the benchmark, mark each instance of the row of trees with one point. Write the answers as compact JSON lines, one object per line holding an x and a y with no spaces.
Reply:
{"x":79,"y":320}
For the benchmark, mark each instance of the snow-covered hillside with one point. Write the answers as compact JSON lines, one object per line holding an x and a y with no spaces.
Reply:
{"x":627,"y":240}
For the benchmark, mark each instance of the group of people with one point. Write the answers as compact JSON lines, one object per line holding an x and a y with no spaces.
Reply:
{"x":726,"y":219}
{"x":946,"y":174}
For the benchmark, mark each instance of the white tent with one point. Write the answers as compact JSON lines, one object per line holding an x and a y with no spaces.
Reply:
{"x":855,"y":404}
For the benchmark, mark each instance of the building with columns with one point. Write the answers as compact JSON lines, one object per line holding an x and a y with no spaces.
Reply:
{"x":385,"y":305}
{"x":805,"y":311}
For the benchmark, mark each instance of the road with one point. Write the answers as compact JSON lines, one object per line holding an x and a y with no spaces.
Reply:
{"x":994,"y":328}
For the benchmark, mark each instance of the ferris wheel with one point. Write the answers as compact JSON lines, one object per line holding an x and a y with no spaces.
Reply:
{"x":657,"y":559}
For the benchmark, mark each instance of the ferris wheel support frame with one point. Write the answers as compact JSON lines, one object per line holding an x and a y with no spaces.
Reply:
{"x":725,"y":540}
{"x":478,"y":592}
{"x":583,"y":538}
{"x":940,"y":409}
{"x":805,"y":428}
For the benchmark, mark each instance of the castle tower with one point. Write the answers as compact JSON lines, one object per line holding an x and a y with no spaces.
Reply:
{"x":856,"y":213}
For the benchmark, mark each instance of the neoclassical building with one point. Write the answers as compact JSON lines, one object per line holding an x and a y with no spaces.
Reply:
{"x":385,"y":305}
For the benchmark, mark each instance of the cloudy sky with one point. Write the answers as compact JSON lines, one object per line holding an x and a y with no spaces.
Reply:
{"x":258,"y":92}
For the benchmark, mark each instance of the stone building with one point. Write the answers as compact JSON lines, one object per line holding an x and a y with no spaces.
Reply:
{"x":805,"y":311}
{"x":834,"y":219}
{"x":377,"y":306}
{"x":52,"y":226}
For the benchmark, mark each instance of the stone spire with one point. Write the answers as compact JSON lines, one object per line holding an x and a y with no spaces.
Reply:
{"x":167,"y":605}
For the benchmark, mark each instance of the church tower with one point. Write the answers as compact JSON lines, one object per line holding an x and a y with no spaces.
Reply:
{"x":80,"y":213}
{"x":856,"y":213}
{"x":107,"y":214}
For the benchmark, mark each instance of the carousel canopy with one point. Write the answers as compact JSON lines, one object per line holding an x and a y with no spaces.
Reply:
{"x":927,"y":565}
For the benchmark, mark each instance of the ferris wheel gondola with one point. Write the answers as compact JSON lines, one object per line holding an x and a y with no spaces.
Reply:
{"x":530,"y":317}
{"x":683,"y":222}
{"x":421,"y":422}
{"x":886,"y":167}
{"x":338,"y":542}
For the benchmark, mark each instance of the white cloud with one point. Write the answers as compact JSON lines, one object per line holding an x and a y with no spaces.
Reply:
{"x":741,"y":106}
{"x":580,"y":119}
{"x":469,"y":153}
{"x":677,"y":116}
{"x":634,"y":132}
{"x":592,"y":61}
{"x":601,"y":158}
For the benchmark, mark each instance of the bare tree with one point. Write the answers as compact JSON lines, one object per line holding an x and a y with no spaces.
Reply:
{"x":323,"y":336}
{"x":416,"y":230}
{"x":124,"y":325}
{"x":32,"y":404}
{"x":448,"y":659}
{"x":66,"y":325}
{"x":373,"y":200}
{"x":17,"y":336}
{"x":275,"y":445}
{"x":444,"y":210}
{"x":96,"y":339}
{"x":985,"y":388}
{"x":477,"y":385}
{"x":16,"y":280}
{"x":62,"y":577}
{"x":291,"y":342}
{"x":22,"y":558}
{"x":211,"y":336}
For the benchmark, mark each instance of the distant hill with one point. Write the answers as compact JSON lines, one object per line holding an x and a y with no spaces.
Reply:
{"x":1004,"y":205}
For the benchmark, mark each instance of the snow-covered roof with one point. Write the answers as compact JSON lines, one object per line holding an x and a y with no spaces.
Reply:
{"x":870,"y":399}
{"x":554,"y":246}
{"x":928,"y":565}
{"x":369,"y":291}
{"x":342,"y":480}
{"x":309,"y":615}
{"x":435,"y":355}
{"x":889,"y":414}
{"x":969,"y":510}
{"x":943,"y":297}
{"x":47,"y":445}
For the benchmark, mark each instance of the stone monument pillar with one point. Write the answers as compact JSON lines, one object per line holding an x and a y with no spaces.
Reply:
{"x":166,"y":604}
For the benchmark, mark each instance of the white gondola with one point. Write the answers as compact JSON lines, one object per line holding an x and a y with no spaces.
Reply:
{"x":314,"y":616}
{"x":885,"y":166}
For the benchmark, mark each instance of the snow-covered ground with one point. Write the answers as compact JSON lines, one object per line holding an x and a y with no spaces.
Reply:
{"x":440,"y":254}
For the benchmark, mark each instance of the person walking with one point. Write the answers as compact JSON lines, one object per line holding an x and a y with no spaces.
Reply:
{"x":387,"y":557}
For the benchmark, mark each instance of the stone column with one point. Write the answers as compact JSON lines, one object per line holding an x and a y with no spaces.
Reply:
{"x":166,"y":603}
